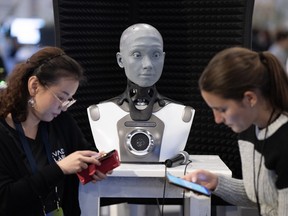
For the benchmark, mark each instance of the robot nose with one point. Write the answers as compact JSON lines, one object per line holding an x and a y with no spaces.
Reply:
{"x":146,"y":62}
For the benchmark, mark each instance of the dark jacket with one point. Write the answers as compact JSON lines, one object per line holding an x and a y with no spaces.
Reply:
{"x":20,"y":189}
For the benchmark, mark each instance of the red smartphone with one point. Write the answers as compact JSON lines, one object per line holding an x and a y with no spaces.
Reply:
{"x":109,"y":161}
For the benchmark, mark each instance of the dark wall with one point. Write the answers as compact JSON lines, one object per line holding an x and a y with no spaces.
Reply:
{"x":193,"y":31}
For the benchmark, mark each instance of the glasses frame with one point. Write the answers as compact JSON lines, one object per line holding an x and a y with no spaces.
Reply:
{"x":64,"y":104}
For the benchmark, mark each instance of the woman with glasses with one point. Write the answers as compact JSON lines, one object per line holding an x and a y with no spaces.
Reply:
{"x":40,"y":144}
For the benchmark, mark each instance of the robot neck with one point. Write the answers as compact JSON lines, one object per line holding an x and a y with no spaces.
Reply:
{"x":141,"y":101}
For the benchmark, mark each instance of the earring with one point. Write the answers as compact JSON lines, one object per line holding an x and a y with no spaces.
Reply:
{"x":31,"y":102}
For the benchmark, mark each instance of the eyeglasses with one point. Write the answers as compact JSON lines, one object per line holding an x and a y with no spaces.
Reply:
{"x":64,"y":104}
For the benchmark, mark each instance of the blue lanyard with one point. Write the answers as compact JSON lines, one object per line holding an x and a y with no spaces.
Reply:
{"x":26,"y":147}
{"x":45,"y":138}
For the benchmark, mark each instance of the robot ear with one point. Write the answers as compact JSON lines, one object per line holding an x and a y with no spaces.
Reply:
{"x":119,"y":59}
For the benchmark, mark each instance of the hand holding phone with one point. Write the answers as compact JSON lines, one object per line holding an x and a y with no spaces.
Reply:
{"x":109,"y":161}
{"x":188,"y":185}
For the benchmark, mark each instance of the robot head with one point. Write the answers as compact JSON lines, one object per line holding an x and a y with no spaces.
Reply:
{"x":141,"y":54}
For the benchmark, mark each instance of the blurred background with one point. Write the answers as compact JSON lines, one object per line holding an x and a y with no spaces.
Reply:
{"x":27,"y":25}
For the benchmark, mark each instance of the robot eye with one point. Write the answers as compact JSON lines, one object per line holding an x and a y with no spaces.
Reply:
{"x":137,"y":54}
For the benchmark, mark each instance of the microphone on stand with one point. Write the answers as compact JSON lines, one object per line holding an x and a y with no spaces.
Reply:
{"x":181,"y":158}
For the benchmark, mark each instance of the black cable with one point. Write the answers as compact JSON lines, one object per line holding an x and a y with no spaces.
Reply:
{"x":161,"y":212}
{"x":256,"y":181}
{"x":164,"y":191}
{"x":158,"y":205}
{"x":185,"y":172}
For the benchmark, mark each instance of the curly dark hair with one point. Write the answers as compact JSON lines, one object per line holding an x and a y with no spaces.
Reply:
{"x":49,"y":64}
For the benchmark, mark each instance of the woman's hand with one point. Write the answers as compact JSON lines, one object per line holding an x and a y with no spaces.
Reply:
{"x":203,"y":177}
{"x":79,"y":160}
{"x":98,"y":176}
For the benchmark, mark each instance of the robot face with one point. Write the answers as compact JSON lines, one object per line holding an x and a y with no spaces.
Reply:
{"x":143,"y":59}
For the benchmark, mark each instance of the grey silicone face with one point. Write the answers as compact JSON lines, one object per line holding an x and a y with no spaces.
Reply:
{"x":141,"y":55}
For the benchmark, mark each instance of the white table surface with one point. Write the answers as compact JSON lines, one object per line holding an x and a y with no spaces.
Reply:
{"x":147,"y":181}
{"x":210,"y":162}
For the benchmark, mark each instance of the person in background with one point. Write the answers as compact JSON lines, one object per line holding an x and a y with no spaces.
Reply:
{"x":41,"y":146}
{"x":280,"y":47}
{"x":248,"y":92}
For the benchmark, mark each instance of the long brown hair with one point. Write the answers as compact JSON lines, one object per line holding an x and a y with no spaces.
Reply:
{"x":49,"y":64}
{"x":235,"y":70}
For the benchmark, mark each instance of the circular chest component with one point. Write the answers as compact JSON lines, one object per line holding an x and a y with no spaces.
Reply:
{"x":140,"y":142}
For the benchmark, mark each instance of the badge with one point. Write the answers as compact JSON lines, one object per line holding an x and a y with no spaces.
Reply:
{"x":56,"y":212}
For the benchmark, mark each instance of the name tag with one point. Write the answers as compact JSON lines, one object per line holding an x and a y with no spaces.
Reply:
{"x":56,"y":212}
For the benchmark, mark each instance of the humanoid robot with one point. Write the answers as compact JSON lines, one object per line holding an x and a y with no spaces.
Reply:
{"x":141,"y":124}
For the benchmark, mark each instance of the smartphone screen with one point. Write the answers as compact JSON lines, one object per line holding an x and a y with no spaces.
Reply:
{"x":188,"y":185}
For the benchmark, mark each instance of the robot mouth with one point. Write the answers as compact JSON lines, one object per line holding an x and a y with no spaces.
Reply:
{"x":146,"y":75}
